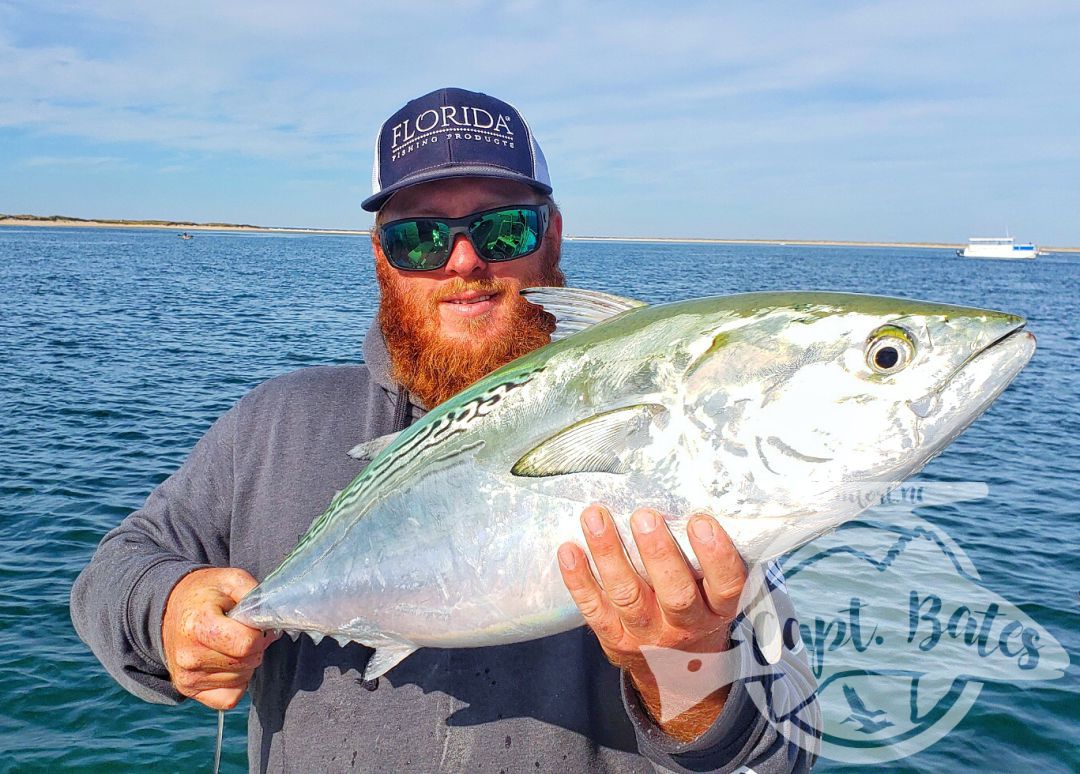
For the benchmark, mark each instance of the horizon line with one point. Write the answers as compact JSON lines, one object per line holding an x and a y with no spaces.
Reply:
{"x":62,"y":221}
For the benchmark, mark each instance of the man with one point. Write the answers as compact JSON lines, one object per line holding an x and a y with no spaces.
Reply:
{"x":151,"y":603}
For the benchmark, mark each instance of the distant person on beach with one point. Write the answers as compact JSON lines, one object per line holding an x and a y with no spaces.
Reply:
{"x":151,"y":603}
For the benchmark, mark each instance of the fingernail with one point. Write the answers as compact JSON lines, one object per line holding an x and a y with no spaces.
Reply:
{"x":594,"y":521}
{"x":566,"y":557}
{"x":703,"y":530}
{"x":645,"y":521}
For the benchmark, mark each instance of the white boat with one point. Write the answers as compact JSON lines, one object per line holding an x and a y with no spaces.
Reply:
{"x":1002,"y":248}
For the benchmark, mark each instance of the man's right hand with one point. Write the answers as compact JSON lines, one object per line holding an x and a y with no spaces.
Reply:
{"x":211,"y":657}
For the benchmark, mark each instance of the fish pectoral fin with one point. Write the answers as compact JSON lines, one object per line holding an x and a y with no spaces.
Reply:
{"x":599,"y":444}
{"x":369,"y":450}
{"x":575,"y":309}
{"x":385,"y":658}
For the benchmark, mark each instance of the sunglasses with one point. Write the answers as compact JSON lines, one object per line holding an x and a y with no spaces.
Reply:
{"x":503,"y":234}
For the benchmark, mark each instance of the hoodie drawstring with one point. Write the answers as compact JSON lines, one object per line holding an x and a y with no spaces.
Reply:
{"x":402,"y":412}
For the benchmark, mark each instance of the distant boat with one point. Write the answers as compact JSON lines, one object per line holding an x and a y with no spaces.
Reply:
{"x":1000,"y":248}
{"x":185,"y":235}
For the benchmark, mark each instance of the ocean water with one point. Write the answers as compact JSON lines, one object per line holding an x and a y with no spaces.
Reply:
{"x":118,"y":348}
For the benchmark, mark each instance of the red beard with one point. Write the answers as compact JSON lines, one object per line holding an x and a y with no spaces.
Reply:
{"x":434,"y":368}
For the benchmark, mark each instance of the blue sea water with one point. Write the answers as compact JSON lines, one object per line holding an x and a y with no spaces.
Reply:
{"x":118,"y":348}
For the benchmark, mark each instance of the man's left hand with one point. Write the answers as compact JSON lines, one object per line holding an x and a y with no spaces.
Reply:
{"x":675,"y":611}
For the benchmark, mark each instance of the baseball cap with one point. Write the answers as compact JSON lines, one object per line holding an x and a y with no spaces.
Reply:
{"x":454,"y":133}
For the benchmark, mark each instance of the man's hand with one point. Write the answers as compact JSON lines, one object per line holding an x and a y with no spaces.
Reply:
{"x":676,"y":611}
{"x":210,"y":657}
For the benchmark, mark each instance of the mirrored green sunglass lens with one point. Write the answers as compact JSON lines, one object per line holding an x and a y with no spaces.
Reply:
{"x":419,"y":244}
{"x":505,"y":234}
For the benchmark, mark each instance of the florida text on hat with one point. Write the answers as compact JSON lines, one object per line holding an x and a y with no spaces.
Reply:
{"x":454,"y":133}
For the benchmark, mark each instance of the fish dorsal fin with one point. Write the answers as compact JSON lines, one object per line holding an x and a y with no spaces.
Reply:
{"x":600,"y":444}
{"x":575,"y":309}
{"x":434,"y":442}
{"x":369,"y":450}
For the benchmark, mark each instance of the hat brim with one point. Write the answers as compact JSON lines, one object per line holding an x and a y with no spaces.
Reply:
{"x":376,"y":201}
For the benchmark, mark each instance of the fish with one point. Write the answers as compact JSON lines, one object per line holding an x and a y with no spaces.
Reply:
{"x":771,"y":411}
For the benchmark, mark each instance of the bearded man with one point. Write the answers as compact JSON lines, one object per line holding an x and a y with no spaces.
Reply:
{"x":465,"y":221}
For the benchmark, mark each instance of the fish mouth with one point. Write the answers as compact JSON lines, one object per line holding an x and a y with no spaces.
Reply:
{"x":1014,"y":340}
{"x":976,"y":383}
{"x":1018,"y":328}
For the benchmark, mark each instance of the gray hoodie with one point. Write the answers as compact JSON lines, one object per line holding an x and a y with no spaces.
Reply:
{"x":251,"y":486}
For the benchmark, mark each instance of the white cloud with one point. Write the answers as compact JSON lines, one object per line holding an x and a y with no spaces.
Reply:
{"x":313,"y":80}
{"x":656,"y":100}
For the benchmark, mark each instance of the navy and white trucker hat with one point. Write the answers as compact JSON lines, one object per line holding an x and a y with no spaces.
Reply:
{"x":454,"y":133}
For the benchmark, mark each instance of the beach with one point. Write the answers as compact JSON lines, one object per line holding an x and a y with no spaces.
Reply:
{"x":64,"y":222}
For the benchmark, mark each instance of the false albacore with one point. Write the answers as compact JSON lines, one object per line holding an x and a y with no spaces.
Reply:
{"x":772,"y":411}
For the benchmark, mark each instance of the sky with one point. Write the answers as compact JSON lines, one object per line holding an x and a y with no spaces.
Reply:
{"x":905,"y":121}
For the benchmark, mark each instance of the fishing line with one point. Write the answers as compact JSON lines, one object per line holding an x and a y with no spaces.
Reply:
{"x":220,"y":733}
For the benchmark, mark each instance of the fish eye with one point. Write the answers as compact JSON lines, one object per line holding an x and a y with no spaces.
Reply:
{"x":889,"y":349}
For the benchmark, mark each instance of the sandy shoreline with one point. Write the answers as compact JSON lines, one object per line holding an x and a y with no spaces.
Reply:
{"x":169,"y":226}
{"x":179,"y":226}
{"x":795,"y":243}
{"x":781,"y":242}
